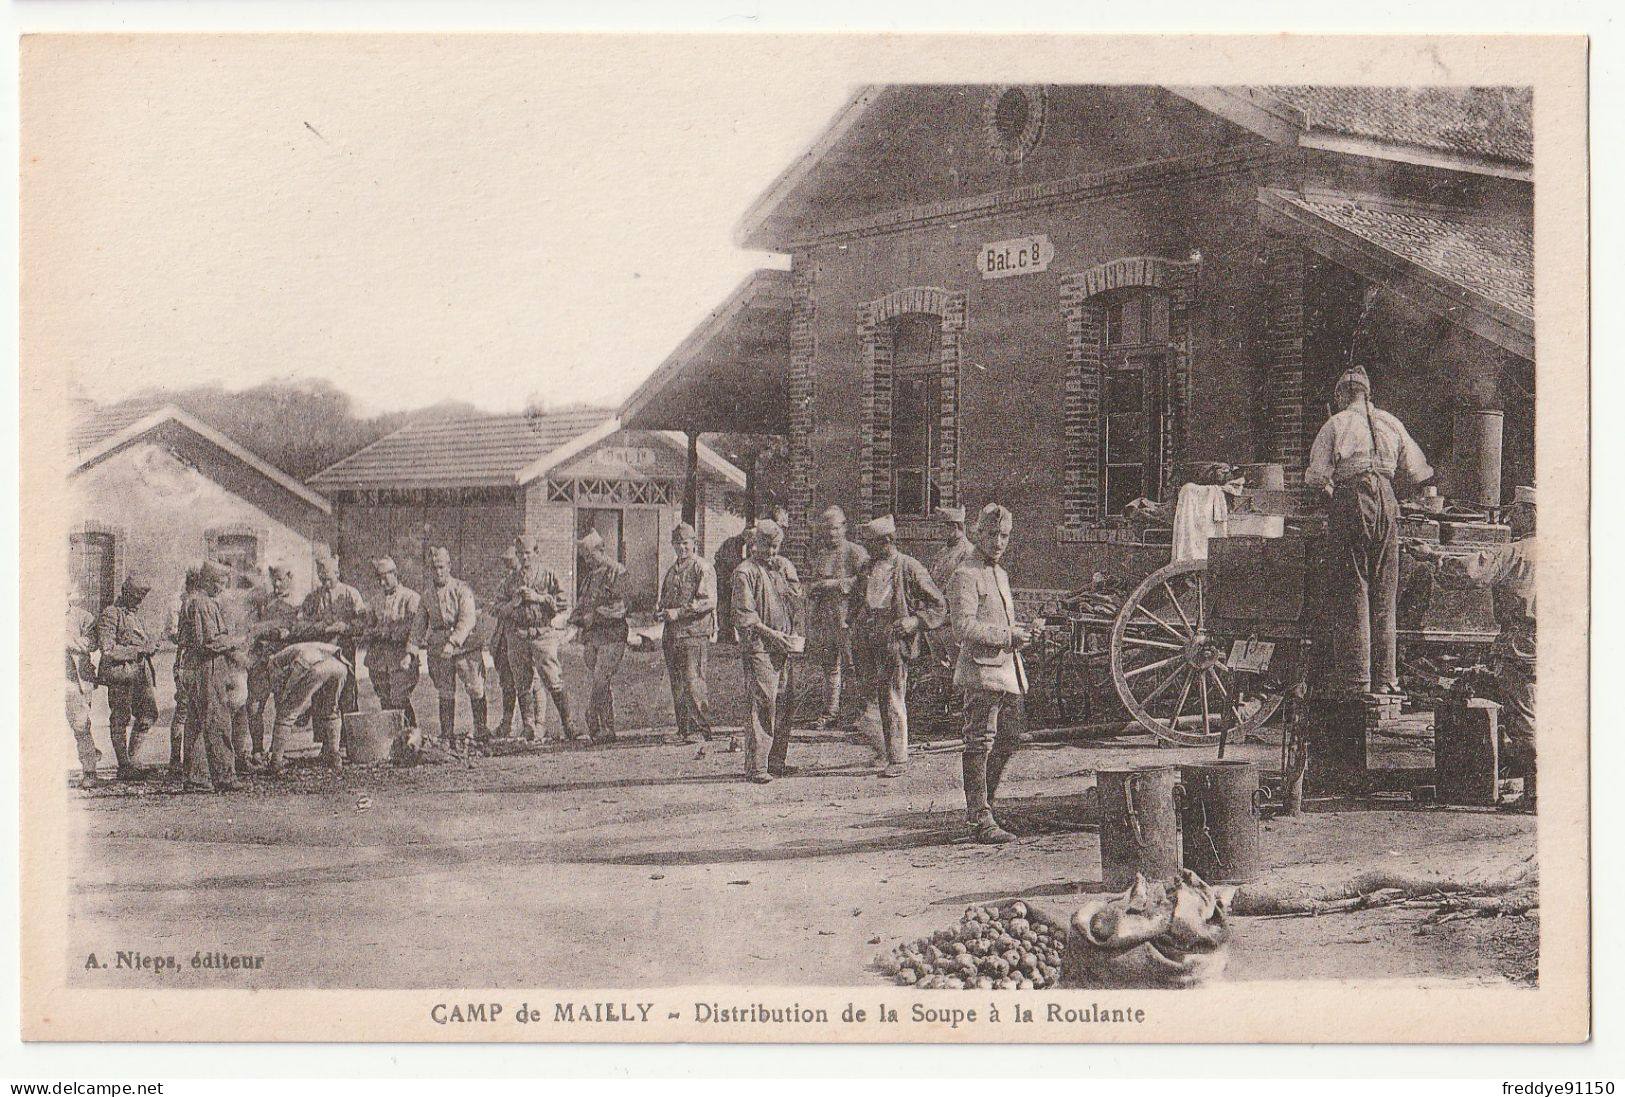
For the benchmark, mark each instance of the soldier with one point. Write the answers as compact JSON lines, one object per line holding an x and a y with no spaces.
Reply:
{"x":829,"y":640}
{"x":535,"y":601}
{"x":1355,"y":458}
{"x":729,"y":555}
{"x":765,"y":590}
{"x":892,"y":603}
{"x":392,"y":665}
{"x":272,"y":619}
{"x":688,"y":603}
{"x":308,"y":677}
{"x":177,"y":723}
{"x":81,"y":687}
{"x":499,"y":646}
{"x":334,"y":611}
{"x":600,"y":614}
{"x":1509,"y":571}
{"x":944,"y":563}
{"x":989,"y":669}
{"x":208,"y":648}
{"x":127,"y":672}
{"x":445,"y":633}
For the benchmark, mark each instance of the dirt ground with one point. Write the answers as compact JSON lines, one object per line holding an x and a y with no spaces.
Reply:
{"x":647,"y":863}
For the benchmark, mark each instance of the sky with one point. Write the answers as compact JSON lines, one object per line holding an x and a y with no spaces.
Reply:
{"x":416,"y":219}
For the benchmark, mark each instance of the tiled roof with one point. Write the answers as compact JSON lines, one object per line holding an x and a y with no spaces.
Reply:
{"x":1495,"y":261}
{"x":468,"y":451}
{"x":1491,"y":122}
{"x":96,"y":425}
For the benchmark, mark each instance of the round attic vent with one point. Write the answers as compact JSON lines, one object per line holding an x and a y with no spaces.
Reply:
{"x":1014,"y":119}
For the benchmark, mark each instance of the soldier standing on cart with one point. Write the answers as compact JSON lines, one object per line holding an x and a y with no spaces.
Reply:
{"x":1356,"y":457}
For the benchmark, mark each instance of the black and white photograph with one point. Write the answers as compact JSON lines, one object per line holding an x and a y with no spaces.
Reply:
{"x":729,"y":538}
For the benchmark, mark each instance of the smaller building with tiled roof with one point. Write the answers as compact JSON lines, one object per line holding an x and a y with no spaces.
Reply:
{"x":474,"y":483}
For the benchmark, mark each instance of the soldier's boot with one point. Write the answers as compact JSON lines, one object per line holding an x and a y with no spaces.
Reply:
{"x":482,"y":734}
{"x":978,"y":809}
{"x":121,"y":751}
{"x":995,"y":771}
{"x":529,"y":714}
{"x":277,"y":763}
{"x":567,"y":722}
{"x":448,"y":721}
{"x":331,"y":756}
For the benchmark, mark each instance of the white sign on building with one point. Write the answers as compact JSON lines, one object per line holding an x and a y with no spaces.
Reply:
{"x":1008,"y":258}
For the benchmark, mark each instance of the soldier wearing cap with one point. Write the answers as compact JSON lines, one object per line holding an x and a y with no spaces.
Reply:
{"x":208,"y":650}
{"x":81,"y":686}
{"x":688,"y":609}
{"x":766,"y":593}
{"x":1356,"y":457}
{"x":893,"y":601}
{"x":272,"y":618}
{"x":989,"y":669}
{"x":444,"y":632}
{"x":955,"y":551}
{"x":392,"y":665}
{"x":600,"y":614}
{"x":729,"y":555}
{"x":335,"y":612}
{"x":535,"y":610}
{"x":499,"y":644}
{"x":829,"y":637}
{"x":308,"y":678}
{"x":127,"y":672}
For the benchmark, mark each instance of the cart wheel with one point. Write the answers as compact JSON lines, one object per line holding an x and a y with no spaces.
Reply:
{"x":1170,"y":673}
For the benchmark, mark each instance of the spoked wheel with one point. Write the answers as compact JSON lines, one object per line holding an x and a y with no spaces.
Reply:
{"x":1170,"y":673}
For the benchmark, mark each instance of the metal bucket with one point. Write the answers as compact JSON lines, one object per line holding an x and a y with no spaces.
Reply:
{"x":1138,"y":830}
{"x":370,"y":736}
{"x":1219,"y":814}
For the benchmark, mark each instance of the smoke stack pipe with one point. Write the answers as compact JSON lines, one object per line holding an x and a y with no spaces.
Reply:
{"x":1477,"y":456}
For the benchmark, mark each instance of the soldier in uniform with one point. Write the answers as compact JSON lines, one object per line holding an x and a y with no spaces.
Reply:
{"x":208,"y":648}
{"x":392,"y":665}
{"x":81,"y":687}
{"x":127,"y":672}
{"x":829,"y":640}
{"x":944,"y":563}
{"x":445,"y":634}
{"x":334,"y":611}
{"x":765,"y":591}
{"x":308,"y":678}
{"x":989,"y":669}
{"x":191,"y":588}
{"x":272,"y":619}
{"x":688,"y":607}
{"x":893,"y":602}
{"x":600,"y":614}
{"x":499,"y":646}
{"x":535,"y":600}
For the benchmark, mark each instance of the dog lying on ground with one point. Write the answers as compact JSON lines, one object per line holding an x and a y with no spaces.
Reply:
{"x":1163,"y":934}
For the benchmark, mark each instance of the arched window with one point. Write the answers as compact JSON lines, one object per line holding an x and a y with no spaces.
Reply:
{"x":1136,"y":442}
{"x":916,"y":413}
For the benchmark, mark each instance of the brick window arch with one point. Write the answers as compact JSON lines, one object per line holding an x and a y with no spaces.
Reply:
{"x":1127,"y":382}
{"x":911,"y":347}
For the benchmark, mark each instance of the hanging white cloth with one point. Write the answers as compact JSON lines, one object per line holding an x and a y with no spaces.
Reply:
{"x":1203,"y":511}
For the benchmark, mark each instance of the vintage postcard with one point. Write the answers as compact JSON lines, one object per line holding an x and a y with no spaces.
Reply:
{"x":804,"y":538}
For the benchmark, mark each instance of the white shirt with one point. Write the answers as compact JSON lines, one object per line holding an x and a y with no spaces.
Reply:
{"x":1344,"y":448}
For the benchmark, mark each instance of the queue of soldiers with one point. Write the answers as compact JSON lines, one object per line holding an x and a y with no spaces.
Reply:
{"x":873,"y":611}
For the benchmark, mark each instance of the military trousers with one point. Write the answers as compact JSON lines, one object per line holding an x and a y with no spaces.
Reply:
{"x":1363,"y":551}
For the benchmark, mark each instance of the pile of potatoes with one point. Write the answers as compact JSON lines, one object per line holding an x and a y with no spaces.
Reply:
{"x":992,"y":948}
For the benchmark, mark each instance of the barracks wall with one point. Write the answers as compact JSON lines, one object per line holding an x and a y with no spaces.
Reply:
{"x":1012,"y":423}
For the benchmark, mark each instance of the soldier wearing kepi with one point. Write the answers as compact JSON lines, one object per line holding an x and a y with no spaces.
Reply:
{"x":535,"y":601}
{"x":893,"y":602}
{"x":829,"y":637}
{"x":210,"y":761}
{"x":989,"y":669}
{"x":308,"y":677}
{"x":81,"y":687}
{"x":687,"y":603}
{"x":765,"y":590}
{"x":444,"y":632}
{"x":392,"y":665}
{"x":601,"y":616}
{"x":271,"y":622}
{"x":127,"y":672}
{"x":335,"y":612}
{"x":1356,"y":457}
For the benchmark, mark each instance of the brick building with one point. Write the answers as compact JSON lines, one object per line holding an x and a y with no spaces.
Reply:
{"x":1054,"y":296}
{"x":473,"y":484}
